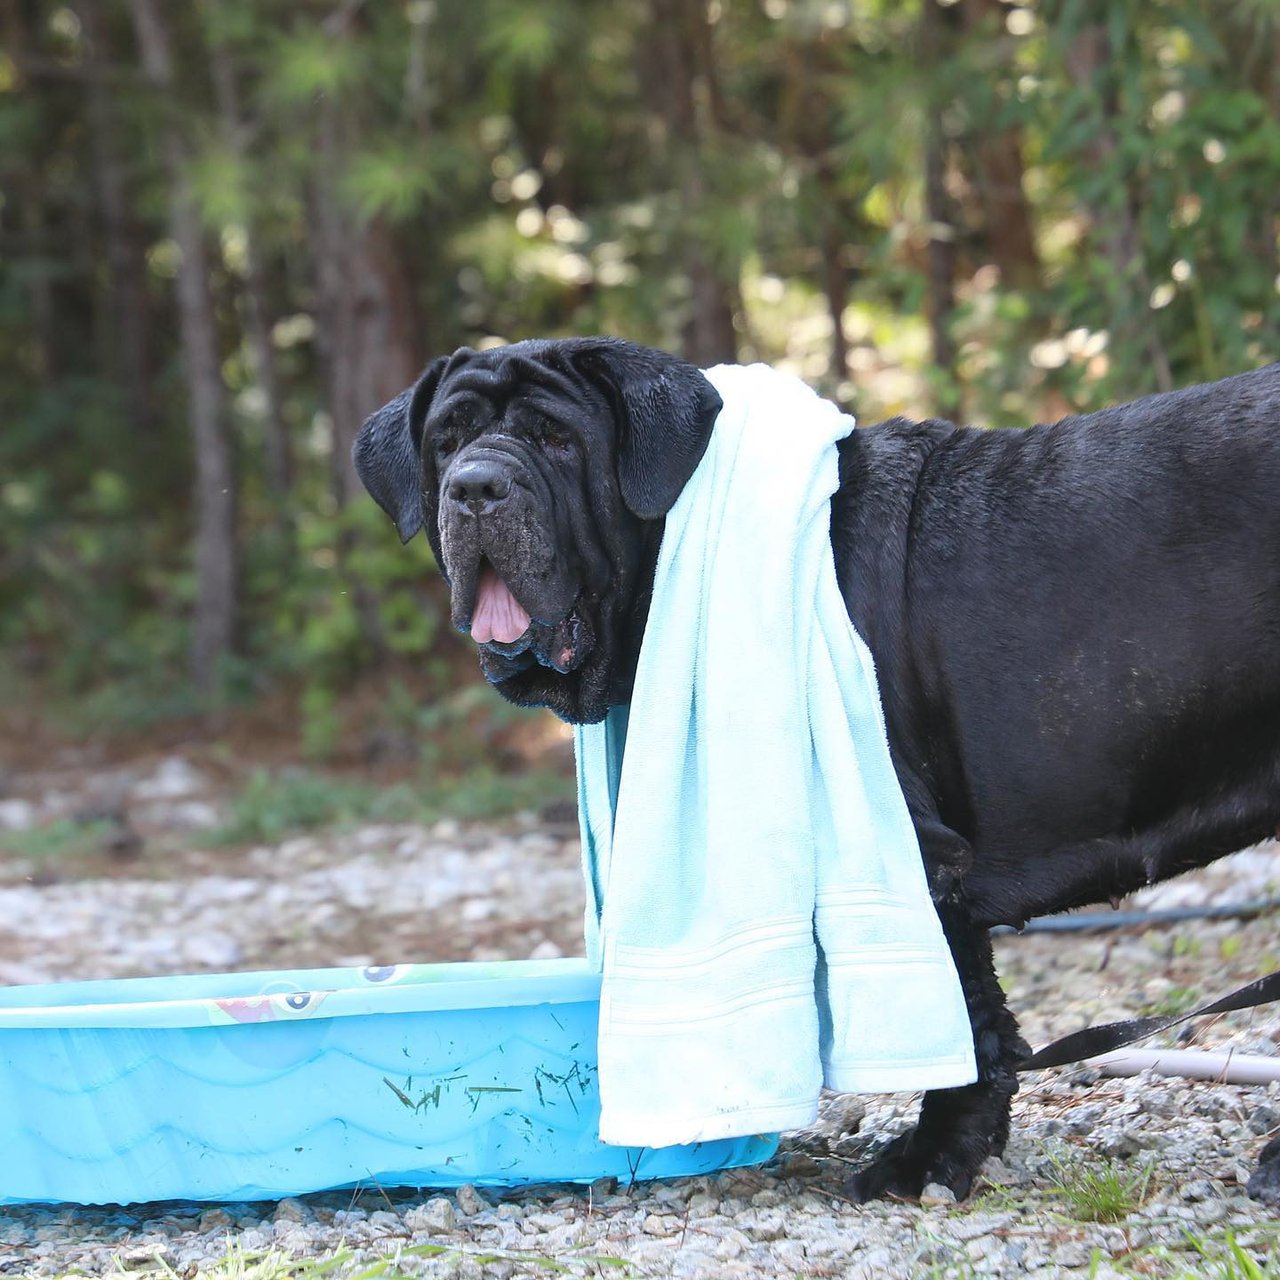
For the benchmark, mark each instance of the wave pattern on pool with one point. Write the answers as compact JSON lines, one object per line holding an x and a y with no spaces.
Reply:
{"x":262,"y":1085}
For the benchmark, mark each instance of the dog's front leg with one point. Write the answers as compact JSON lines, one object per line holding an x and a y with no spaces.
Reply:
{"x":958,"y":1128}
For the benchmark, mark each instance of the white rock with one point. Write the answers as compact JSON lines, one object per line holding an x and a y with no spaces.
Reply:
{"x":172,"y":778}
{"x":182,"y":815}
{"x":17,"y":815}
{"x":769,"y":1224}
{"x":536,"y":1223}
{"x":435,"y":1217}
{"x":660,"y":1224}
{"x":470,"y":1201}
{"x":732,"y":1245}
{"x":211,"y":951}
{"x":937,"y":1193}
{"x":291,"y":1210}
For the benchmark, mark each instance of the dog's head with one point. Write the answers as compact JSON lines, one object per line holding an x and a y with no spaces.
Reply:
{"x":541,"y":472}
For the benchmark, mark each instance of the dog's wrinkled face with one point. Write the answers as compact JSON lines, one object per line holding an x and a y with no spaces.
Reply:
{"x":541,"y":472}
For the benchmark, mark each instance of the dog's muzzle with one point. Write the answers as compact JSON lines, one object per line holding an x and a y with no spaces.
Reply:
{"x":479,"y":486}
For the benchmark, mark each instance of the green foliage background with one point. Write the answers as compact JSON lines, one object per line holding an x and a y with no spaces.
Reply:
{"x":521,"y":167}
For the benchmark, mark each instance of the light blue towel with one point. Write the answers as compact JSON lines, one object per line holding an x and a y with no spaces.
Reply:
{"x":756,"y":899}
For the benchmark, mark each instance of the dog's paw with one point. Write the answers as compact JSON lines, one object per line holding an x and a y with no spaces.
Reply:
{"x":1264,"y":1185}
{"x":903,"y":1169}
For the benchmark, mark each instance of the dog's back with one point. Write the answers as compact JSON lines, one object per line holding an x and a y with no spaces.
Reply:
{"x":1086,"y":654}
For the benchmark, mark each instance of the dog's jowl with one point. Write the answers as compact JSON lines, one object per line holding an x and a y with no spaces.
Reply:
{"x":1076,"y":626}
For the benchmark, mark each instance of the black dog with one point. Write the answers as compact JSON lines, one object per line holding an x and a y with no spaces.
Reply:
{"x":1076,"y":627}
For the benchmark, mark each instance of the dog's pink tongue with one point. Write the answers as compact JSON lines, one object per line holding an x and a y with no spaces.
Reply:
{"x":498,"y":614}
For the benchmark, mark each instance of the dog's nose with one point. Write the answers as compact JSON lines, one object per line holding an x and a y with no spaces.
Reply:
{"x":480,"y":484}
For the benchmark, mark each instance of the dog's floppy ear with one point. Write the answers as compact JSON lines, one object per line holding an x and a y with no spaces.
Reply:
{"x":665,"y":409}
{"x":386,"y":454}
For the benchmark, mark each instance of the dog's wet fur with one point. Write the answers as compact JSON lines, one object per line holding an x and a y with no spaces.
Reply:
{"x":1076,"y":626}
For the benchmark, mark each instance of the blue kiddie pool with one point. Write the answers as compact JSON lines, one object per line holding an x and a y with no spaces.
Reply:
{"x":254,"y":1086}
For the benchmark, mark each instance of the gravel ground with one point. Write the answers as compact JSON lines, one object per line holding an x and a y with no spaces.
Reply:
{"x":385,"y":894}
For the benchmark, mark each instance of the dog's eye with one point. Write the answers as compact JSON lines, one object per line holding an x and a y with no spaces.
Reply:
{"x":552,"y":434}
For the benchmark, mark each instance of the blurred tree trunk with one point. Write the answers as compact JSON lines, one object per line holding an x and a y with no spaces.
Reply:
{"x":1266,"y":237}
{"x":275,"y":438}
{"x":215,"y":498}
{"x":682,"y":87}
{"x":836,"y":277}
{"x":1010,"y":230}
{"x":1251,"y":39}
{"x":937,"y":40}
{"x":366,"y":330}
{"x":998,"y":170}
{"x":124,"y":322}
{"x":1091,"y":60}
{"x":24,"y":188}
{"x":807,"y":126}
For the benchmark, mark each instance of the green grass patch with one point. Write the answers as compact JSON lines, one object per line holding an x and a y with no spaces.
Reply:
{"x":1186,"y":944}
{"x":1210,"y":1257}
{"x":239,"y":1263}
{"x":274,"y":805}
{"x":485,"y":793}
{"x":1230,"y":1260}
{"x":1097,"y":1189}
{"x":63,"y":837}
{"x":1175,"y":1001}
